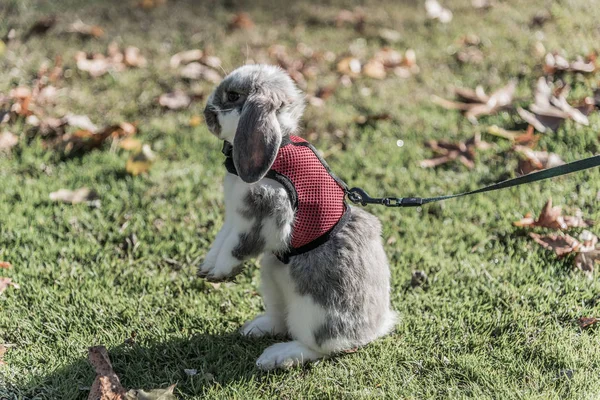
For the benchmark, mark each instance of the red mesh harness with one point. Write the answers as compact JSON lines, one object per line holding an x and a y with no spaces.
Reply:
{"x":317,"y":195}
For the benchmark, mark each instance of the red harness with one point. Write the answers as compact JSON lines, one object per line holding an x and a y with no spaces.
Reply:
{"x":317,"y":195}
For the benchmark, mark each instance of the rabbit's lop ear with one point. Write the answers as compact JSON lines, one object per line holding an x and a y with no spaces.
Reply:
{"x":257,"y":138}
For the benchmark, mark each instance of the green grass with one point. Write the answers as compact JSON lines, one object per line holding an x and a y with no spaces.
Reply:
{"x":497,"y":318}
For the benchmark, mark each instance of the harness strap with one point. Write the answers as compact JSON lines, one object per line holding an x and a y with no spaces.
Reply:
{"x":359,"y":196}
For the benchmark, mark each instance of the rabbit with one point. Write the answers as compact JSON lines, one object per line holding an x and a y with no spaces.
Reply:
{"x":332,"y":298}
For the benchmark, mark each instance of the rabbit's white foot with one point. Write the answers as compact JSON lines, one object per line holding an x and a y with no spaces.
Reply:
{"x":264,"y":325}
{"x":286,"y":355}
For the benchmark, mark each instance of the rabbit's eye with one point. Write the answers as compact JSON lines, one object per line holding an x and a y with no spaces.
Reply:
{"x":233,"y":97}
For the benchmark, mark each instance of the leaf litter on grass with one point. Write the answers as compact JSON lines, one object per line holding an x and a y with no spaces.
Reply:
{"x":462,"y":151}
{"x":107,"y":385}
{"x":551,"y":217}
{"x":476,"y":103}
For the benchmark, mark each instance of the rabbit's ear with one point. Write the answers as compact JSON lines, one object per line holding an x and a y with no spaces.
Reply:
{"x":257,"y":138}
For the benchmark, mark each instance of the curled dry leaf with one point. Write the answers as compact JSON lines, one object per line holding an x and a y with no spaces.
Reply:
{"x":107,"y":385}
{"x":5,"y":264}
{"x":8,"y":140}
{"x":475,"y":103}
{"x":116,"y":60}
{"x":241,"y":21}
{"x":550,"y":108}
{"x":555,"y":63}
{"x":175,"y":100}
{"x":588,"y":260}
{"x":185,"y":57}
{"x":462,"y":151}
{"x":349,"y":66}
{"x":560,"y":244}
{"x":531,"y":160}
{"x":527,"y":138}
{"x":84,"y":30}
{"x":5,"y":283}
{"x":436,"y":11}
{"x":587,"y":322}
{"x":195,"y":70}
{"x":74,"y":196}
{"x":551,"y":217}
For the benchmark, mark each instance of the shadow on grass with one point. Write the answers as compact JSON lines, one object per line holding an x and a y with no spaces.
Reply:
{"x":219,"y":360}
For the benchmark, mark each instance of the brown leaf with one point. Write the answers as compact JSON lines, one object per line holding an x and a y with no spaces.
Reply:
{"x":176,"y":100}
{"x":560,"y":244}
{"x":133,"y":57}
{"x":586,"y":260}
{"x":186,"y":57}
{"x":7,"y":141}
{"x":476,"y":102}
{"x":349,"y":66}
{"x":106,"y":386}
{"x":374,"y":69}
{"x":355,"y":18}
{"x":551,"y":217}
{"x":5,"y":264}
{"x":531,"y":160}
{"x":149,"y":4}
{"x":555,"y":63}
{"x":6,"y":282}
{"x":586,"y":322}
{"x":84,"y":30}
{"x":241,"y":21}
{"x":461,"y":151}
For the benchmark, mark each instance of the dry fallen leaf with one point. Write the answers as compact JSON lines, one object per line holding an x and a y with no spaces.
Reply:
{"x":5,"y":264}
{"x":550,"y":108}
{"x":196,"y":120}
{"x":462,"y":151}
{"x":115,"y":60}
{"x":195,"y":70}
{"x":175,"y":100}
{"x":436,"y":11}
{"x":349,"y":66}
{"x":107,"y":385}
{"x":5,"y":283}
{"x":149,"y":4}
{"x":531,"y":160}
{"x":74,"y":196}
{"x":84,"y":30}
{"x":475,"y":103}
{"x":587,"y":260}
{"x":586,"y":322}
{"x":7,"y":141}
{"x":140,"y":162}
{"x":551,"y":217}
{"x":555,"y":63}
{"x":560,"y":244}
{"x":527,"y":138}
{"x":185,"y":57}
{"x":241,"y":21}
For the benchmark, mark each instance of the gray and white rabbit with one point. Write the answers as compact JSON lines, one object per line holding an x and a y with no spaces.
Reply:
{"x":332,"y":298}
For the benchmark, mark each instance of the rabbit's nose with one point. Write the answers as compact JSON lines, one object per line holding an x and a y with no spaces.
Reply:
{"x":212,"y":121}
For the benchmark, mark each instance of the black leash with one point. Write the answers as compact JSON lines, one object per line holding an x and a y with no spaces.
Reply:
{"x":359,"y":196}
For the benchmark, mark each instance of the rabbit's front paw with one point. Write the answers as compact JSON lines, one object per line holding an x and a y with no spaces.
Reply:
{"x":224,"y":269}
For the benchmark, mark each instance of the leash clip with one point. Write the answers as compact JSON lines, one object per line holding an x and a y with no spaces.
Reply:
{"x":359,"y":196}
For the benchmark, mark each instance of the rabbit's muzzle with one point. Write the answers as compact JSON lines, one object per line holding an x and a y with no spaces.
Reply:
{"x":212,"y":121}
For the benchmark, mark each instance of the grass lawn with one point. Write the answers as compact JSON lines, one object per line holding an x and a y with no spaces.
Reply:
{"x":498,"y":315}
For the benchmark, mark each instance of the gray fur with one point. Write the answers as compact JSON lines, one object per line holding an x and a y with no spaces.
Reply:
{"x":262,"y":202}
{"x":347,"y":275}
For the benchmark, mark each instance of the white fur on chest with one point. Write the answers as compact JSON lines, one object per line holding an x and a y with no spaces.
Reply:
{"x":229,"y":123}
